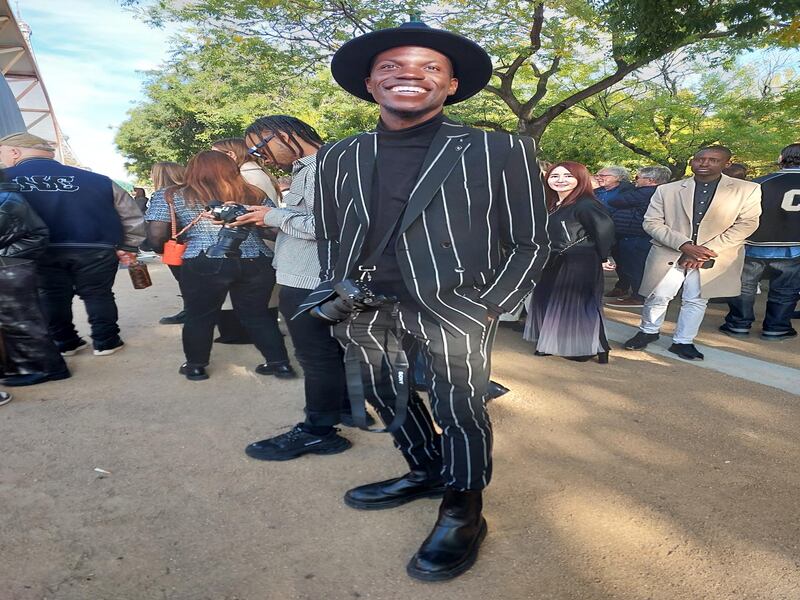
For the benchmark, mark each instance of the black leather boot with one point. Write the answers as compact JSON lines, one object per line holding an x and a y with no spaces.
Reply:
{"x":418,"y":483}
{"x":452,"y":546}
{"x":281,"y":370}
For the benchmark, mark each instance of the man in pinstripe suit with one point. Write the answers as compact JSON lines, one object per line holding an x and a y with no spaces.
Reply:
{"x":469,"y":242}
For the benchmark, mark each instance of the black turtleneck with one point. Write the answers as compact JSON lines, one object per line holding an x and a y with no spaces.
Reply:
{"x":397,"y":168}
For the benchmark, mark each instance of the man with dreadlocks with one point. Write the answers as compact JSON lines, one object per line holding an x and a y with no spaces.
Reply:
{"x":291,"y":145}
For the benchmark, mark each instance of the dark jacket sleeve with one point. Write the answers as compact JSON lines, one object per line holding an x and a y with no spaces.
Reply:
{"x":597,"y":223}
{"x":23,"y":234}
{"x":523,"y":229}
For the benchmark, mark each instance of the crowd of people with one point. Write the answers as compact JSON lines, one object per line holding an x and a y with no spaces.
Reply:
{"x":395,"y":252}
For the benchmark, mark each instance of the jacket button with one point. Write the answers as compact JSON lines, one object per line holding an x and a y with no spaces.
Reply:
{"x":459,"y":269}
{"x":670,"y":263}
{"x":447,"y":244}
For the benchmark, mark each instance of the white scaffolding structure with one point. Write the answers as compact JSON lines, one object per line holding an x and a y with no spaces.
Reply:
{"x":18,"y":66}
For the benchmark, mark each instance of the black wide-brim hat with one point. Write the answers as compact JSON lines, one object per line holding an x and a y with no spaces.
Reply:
{"x":471,"y":63}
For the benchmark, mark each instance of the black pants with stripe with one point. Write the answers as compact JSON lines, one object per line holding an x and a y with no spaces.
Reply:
{"x":457,"y":374}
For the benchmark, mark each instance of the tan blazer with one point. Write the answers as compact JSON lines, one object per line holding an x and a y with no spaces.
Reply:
{"x":731,"y":218}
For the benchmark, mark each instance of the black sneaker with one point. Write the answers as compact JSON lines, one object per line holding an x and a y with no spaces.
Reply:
{"x":732,"y":331}
{"x":773,"y":336}
{"x":74,"y":348}
{"x":686,"y":351}
{"x":109,"y":351}
{"x":297,"y":442}
{"x":640,"y":340}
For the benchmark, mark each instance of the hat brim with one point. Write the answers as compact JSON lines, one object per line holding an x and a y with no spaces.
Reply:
{"x":471,"y":64}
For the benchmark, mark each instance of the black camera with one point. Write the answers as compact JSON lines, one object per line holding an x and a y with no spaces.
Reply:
{"x":351,"y":296}
{"x":229,"y":238}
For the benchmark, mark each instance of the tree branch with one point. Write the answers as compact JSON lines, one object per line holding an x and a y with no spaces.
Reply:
{"x":618,"y":135}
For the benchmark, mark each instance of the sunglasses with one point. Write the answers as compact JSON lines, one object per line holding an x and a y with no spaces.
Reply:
{"x":256,"y":150}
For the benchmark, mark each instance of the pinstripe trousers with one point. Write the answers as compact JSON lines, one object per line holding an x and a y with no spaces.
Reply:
{"x":457,"y":374}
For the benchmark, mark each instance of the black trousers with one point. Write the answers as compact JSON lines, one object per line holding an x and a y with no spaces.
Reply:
{"x":623,"y":278}
{"x":631,"y":256}
{"x":457,"y":375}
{"x":26,"y":346}
{"x":205,"y":283}
{"x":321,"y":357}
{"x":90,"y":274}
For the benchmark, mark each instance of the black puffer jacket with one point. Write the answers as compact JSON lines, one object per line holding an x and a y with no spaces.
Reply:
{"x":628,"y":210}
{"x":22,"y":233}
{"x":585,"y":223}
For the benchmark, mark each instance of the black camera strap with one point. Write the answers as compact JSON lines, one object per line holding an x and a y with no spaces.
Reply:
{"x":367,"y":265}
{"x":399,"y":372}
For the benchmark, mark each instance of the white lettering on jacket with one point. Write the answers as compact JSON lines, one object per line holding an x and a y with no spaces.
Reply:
{"x":45,"y":183}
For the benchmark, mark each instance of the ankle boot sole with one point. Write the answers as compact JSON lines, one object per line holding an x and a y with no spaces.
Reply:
{"x":340,"y":446}
{"x":394,"y":502}
{"x":455,"y":571}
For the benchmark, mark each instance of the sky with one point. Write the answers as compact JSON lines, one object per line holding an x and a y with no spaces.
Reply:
{"x":91,"y":54}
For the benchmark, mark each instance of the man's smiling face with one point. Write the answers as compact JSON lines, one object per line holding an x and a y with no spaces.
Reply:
{"x":411,"y":81}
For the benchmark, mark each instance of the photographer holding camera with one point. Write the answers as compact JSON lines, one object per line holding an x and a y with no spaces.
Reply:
{"x":219,"y":259}
{"x":428,"y":231}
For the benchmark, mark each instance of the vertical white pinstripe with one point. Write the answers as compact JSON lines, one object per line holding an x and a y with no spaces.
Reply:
{"x":453,"y":413}
{"x":489,"y":242}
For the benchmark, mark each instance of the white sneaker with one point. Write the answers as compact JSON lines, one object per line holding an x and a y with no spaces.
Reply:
{"x":109,"y":351}
{"x":5,"y":398}
{"x":81,"y":346}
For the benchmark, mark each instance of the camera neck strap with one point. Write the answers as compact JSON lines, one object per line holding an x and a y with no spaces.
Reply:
{"x":398,"y":371}
{"x":367,"y":266}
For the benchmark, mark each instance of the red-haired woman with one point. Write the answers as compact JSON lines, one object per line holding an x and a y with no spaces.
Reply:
{"x":206,"y":281}
{"x":566,"y":309}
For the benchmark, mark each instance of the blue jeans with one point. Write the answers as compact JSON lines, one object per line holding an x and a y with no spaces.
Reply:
{"x":784,"y":288}
{"x":631,"y":257}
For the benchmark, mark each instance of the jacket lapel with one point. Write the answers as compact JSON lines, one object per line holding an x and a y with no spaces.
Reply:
{"x":362,"y":166}
{"x":449,"y":144}
{"x":687,"y":197}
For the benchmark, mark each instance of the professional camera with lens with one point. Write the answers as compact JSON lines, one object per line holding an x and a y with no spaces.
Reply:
{"x":351,"y":296}
{"x":229,"y":238}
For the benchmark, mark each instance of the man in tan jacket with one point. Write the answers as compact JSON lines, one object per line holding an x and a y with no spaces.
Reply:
{"x":698,"y":226}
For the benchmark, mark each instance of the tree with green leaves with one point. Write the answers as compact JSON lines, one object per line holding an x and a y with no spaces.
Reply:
{"x":533,"y":42}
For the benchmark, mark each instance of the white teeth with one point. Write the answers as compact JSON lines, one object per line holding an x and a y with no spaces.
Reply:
{"x":407,"y":88}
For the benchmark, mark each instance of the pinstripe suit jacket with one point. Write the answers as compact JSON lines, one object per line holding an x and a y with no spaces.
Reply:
{"x":474,"y":231}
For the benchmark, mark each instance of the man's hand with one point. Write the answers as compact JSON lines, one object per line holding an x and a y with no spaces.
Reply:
{"x":254,"y":217}
{"x":126,"y":258}
{"x":697,"y":253}
{"x":689,"y":263}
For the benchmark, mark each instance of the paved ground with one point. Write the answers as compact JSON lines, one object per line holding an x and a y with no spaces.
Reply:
{"x":647,"y":478}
